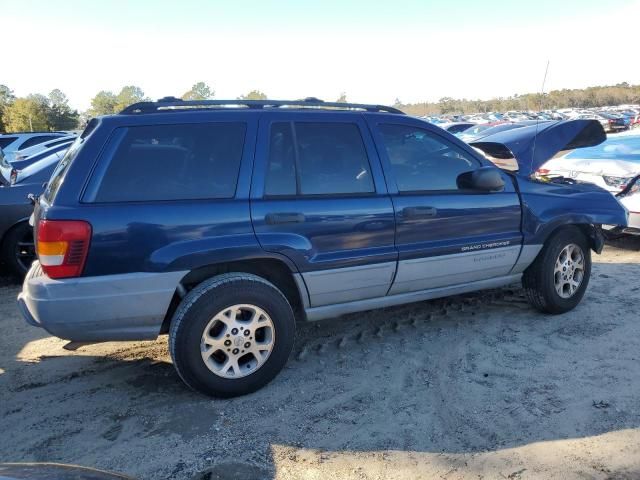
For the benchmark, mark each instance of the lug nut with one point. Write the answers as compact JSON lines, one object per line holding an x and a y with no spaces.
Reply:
{"x":227,"y":343}
{"x":247,"y":345}
{"x":234,"y":331}
{"x":246,"y":332}
{"x":235,"y":351}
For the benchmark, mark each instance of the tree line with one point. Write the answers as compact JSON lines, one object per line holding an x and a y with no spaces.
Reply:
{"x":589,"y":97}
{"x":52,"y":112}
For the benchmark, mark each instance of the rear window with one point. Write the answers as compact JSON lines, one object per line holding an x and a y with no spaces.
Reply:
{"x":174,"y":162}
{"x":6,"y":141}
{"x":37,"y":140}
{"x":61,"y":169}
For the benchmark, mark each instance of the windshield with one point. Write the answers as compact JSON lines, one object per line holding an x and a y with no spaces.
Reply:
{"x":6,"y":141}
{"x":626,"y":148}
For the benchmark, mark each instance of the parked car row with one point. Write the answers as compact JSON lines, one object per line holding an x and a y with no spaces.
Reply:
{"x":223,"y":226}
{"x":24,"y":170}
{"x":612,"y":119}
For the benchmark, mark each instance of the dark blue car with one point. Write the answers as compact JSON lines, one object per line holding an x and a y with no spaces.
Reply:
{"x":222,"y":223}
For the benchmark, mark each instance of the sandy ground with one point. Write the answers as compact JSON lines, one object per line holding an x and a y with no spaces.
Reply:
{"x":472,"y":387}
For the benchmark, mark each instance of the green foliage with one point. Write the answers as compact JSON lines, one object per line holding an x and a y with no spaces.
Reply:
{"x":26,"y":114}
{"x":6,"y":98}
{"x":342,"y":98}
{"x":253,"y":95}
{"x":199,"y":91}
{"x":36,"y":112}
{"x":60,"y":115}
{"x":104,"y":103}
{"x":108,"y":103}
{"x":128,"y":96}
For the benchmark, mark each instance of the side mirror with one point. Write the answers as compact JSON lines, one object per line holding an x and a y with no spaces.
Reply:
{"x":484,"y":179}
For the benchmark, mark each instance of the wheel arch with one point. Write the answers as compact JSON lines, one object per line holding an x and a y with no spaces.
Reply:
{"x":280,"y":272}
{"x":592,"y":232}
{"x":7,"y":229}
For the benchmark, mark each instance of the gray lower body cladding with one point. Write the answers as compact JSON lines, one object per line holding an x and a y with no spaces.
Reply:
{"x":133,"y":306}
{"x":111,"y":307}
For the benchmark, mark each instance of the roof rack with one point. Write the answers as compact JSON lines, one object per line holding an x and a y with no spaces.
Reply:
{"x":168,"y":104}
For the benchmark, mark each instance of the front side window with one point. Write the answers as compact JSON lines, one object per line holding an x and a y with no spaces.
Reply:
{"x":174,"y":162}
{"x":422,"y":161}
{"x":317,"y":159}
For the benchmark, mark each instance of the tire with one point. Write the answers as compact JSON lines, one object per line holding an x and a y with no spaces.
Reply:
{"x":540,"y":280}
{"x":18,"y":250}
{"x":208,"y":316}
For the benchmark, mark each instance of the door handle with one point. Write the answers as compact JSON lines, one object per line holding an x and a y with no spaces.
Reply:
{"x":279,"y":218}
{"x":413,"y":212}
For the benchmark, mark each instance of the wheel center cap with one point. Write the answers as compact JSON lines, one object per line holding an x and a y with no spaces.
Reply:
{"x":237,"y":341}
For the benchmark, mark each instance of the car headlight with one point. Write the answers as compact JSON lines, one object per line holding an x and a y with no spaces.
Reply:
{"x":619,"y":182}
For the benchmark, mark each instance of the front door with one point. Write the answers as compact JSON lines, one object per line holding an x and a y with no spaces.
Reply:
{"x":319,"y":198}
{"x":445,"y":235}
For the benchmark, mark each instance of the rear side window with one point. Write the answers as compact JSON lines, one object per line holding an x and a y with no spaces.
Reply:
{"x":174,"y":162}
{"x":317,"y":159}
{"x":6,"y":141}
{"x":37,"y":140}
{"x":281,"y":175}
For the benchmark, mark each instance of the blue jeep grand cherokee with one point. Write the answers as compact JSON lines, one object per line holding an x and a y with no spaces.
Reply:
{"x":221,"y":223}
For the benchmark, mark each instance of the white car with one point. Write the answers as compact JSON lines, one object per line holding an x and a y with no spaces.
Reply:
{"x":611,"y":165}
{"x":630,"y":198}
{"x":10,"y":143}
{"x":25,"y":153}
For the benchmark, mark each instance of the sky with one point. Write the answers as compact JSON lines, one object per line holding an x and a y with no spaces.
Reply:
{"x":373,"y":51}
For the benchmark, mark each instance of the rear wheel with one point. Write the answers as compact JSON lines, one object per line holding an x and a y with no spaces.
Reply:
{"x":231,"y":335}
{"x":556,"y":281}
{"x":18,"y":249}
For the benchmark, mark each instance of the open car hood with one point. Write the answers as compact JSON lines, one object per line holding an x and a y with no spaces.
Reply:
{"x":526,"y":149}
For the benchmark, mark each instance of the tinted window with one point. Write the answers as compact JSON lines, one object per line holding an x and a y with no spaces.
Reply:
{"x":36,"y":140}
{"x":281,"y":172}
{"x":6,"y":141}
{"x":327,"y":158}
{"x":60,"y":171}
{"x":174,"y":162}
{"x":423,"y":161}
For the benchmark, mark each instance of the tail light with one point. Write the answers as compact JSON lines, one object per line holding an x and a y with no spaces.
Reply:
{"x":543,"y":171}
{"x":62,"y":247}
{"x":13,"y":178}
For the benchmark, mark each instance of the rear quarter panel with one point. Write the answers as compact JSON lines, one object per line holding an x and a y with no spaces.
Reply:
{"x":159,"y":236}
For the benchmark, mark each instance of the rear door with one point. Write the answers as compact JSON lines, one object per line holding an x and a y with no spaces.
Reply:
{"x":445,"y":235}
{"x":318,"y":197}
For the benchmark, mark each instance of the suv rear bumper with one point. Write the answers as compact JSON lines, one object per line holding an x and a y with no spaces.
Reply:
{"x":93,"y":309}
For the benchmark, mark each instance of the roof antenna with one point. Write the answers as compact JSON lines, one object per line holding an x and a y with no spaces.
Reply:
{"x":535,"y":137}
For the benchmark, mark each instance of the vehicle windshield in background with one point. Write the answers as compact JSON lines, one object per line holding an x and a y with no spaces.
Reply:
{"x":6,"y":141}
{"x":616,"y":148}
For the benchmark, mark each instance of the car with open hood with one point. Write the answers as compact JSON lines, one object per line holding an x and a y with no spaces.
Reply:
{"x":224,"y":222}
{"x":610,"y":165}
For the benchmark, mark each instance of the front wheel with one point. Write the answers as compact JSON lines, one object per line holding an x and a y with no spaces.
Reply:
{"x":231,"y":335}
{"x":556,"y":281}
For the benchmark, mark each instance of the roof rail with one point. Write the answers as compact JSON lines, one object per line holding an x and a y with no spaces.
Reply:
{"x":168,"y":104}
